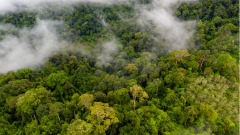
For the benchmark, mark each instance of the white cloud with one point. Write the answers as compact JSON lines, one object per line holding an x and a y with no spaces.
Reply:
{"x":14,"y":5}
{"x":171,"y":29}
{"x":30,"y":48}
{"x":33,"y":46}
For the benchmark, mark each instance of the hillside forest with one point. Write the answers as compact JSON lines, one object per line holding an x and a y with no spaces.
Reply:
{"x":114,"y":76}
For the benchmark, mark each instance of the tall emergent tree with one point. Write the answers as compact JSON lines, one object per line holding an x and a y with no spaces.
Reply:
{"x":137,"y":92}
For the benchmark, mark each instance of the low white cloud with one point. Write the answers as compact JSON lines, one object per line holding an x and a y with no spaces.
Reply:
{"x":34,"y":45}
{"x":30,"y":48}
{"x":106,"y":54}
{"x":160,"y":13}
{"x":14,"y":5}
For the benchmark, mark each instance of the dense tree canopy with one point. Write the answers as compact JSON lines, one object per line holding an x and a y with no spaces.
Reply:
{"x":145,"y":87}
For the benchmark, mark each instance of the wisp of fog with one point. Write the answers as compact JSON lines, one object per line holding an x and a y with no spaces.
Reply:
{"x":34,"y":45}
{"x":14,"y":5}
{"x":171,"y":29}
{"x":30,"y":48}
{"x":106,"y":53}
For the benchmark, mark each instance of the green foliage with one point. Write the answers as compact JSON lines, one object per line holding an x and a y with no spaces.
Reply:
{"x":86,"y":100}
{"x":20,"y":19}
{"x":146,"y":88}
{"x":55,"y":79}
{"x":101,"y":117}
{"x":121,"y":96}
{"x":226,"y":65}
{"x":28,"y":102}
{"x":79,"y":127}
{"x":213,"y":90}
{"x":137,"y":92}
{"x":179,"y":56}
{"x":145,"y":120}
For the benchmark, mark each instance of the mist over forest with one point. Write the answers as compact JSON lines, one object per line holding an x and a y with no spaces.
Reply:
{"x":134,"y":67}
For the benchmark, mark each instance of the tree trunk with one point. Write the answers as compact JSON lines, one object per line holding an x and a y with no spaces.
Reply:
{"x":200,"y":66}
{"x":59,"y":119}
{"x":34,"y":116}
